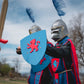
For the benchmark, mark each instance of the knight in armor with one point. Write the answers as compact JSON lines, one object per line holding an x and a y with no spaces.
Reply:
{"x":41,"y":73}
{"x":65,"y":61}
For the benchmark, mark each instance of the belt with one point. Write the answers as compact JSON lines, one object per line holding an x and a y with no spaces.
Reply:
{"x":65,"y":71}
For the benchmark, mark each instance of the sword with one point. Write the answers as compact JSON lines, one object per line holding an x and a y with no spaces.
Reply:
{"x":2,"y":19}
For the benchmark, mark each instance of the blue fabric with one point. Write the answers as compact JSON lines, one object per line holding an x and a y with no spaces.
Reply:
{"x":32,"y":76}
{"x":54,"y":81}
{"x":64,"y":40}
{"x":60,"y":66}
{"x":62,"y":78}
{"x":37,"y":77}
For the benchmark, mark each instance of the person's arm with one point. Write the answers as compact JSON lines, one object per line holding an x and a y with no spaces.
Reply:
{"x":63,"y":51}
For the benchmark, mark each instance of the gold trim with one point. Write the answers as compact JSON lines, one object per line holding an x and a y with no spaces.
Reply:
{"x":65,"y":71}
{"x":63,"y":37}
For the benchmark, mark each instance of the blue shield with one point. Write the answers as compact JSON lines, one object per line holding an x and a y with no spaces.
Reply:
{"x":33,"y":47}
{"x":44,"y":62}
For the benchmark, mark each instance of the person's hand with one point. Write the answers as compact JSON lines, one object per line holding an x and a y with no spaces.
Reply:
{"x":18,"y":50}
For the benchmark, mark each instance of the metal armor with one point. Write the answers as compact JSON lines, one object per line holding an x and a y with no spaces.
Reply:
{"x":59,"y":30}
{"x":34,"y":29}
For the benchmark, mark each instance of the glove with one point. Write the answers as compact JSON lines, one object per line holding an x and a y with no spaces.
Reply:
{"x":18,"y":50}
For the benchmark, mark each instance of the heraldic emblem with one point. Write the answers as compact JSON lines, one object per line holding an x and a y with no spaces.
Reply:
{"x":55,"y":64}
{"x":33,"y":47}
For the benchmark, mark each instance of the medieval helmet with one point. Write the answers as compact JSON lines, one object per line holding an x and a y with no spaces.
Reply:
{"x":34,"y":29}
{"x":59,"y":30}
